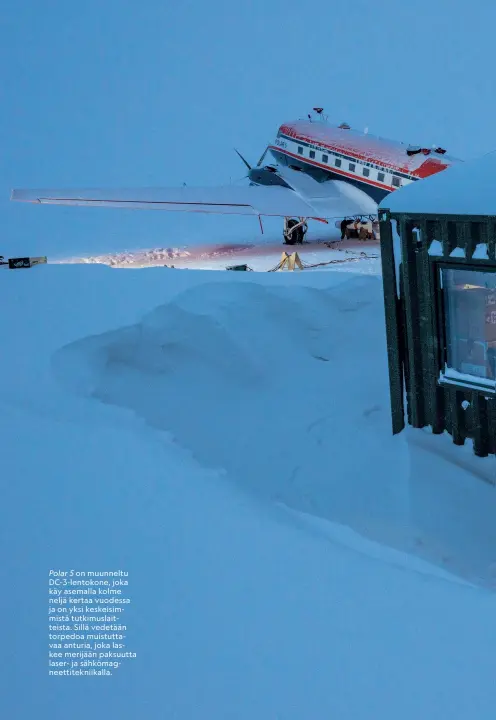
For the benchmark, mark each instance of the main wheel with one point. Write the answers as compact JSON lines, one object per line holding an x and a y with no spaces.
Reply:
{"x":294,"y":236}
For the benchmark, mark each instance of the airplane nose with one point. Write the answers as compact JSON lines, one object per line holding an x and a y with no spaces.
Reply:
{"x":261,"y":177}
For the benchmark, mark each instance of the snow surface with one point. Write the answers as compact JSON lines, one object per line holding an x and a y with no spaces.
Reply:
{"x":462,"y":189}
{"x":321,"y":256}
{"x":467,"y":379}
{"x":225,"y":438}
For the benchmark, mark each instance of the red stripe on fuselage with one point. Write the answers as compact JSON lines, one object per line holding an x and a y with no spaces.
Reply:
{"x":346,"y":151}
{"x":429,"y":167}
{"x":338,"y":171}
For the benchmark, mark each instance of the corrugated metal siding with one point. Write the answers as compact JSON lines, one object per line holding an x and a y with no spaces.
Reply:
{"x":415,"y":326}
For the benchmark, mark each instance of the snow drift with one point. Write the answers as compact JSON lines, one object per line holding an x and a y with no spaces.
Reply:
{"x":274,"y":386}
{"x":285,"y":390}
{"x":201,"y":436}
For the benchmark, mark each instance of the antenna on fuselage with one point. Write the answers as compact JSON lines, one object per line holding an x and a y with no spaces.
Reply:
{"x":320,"y":112}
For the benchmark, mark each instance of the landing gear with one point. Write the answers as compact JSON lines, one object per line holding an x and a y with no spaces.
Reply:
{"x":361,"y":227}
{"x":294,"y":230}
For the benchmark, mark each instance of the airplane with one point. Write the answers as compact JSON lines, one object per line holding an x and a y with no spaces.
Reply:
{"x":320,"y":172}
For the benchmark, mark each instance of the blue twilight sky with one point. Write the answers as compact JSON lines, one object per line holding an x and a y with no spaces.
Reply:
{"x":119,"y":93}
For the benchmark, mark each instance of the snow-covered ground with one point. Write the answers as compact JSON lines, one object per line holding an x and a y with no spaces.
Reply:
{"x":225,"y":438}
{"x":259,"y":256}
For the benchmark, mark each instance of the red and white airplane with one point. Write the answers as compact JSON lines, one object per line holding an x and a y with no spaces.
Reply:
{"x":321,"y":172}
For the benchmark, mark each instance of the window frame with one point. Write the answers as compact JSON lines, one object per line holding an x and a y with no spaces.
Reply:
{"x":479,"y":383}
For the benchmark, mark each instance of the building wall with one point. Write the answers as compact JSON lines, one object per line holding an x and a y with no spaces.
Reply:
{"x":423,"y":343}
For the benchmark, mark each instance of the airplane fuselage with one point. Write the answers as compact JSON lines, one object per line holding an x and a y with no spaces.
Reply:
{"x":375,"y":165}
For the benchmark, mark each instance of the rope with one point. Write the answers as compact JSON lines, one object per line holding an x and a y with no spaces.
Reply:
{"x":362,"y":256}
{"x":277,"y":267}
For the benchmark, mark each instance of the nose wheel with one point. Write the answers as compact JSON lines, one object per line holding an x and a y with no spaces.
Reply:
{"x":295,"y":230}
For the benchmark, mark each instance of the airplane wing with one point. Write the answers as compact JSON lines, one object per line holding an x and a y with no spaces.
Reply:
{"x":331,"y":200}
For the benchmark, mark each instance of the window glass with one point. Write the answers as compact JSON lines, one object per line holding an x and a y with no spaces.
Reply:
{"x":470,"y":322}
{"x":312,"y":153}
{"x":300,"y":150}
{"x":325,"y":158}
{"x":366,"y":172}
{"x":380,"y":176}
{"x":396,"y":181}
{"x":352,"y":167}
{"x":337,"y":162}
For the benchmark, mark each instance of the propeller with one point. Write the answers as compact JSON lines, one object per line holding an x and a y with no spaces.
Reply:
{"x":255,"y":174}
{"x":243,"y":159}
{"x":262,"y":157}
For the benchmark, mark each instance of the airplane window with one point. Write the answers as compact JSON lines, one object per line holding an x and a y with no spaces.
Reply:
{"x":396,"y":181}
{"x":312,"y":153}
{"x":366,"y":172}
{"x":337,"y":162}
{"x":300,"y":150}
{"x":352,"y":167}
{"x":380,"y":177}
{"x":325,"y":158}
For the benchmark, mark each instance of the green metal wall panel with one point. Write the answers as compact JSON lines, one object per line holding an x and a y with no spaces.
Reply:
{"x":415,"y":325}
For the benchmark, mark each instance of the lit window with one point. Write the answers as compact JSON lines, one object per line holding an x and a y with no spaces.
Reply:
{"x":337,"y":162}
{"x":300,"y":150}
{"x":325,"y":158}
{"x":470,"y":322}
{"x":396,"y":181}
{"x":381,"y":176}
{"x":312,"y":153}
{"x":366,"y":172}
{"x":352,"y":167}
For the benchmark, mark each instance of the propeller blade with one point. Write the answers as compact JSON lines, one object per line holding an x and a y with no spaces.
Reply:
{"x":242,"y":158}
{"x":262,"y":158}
